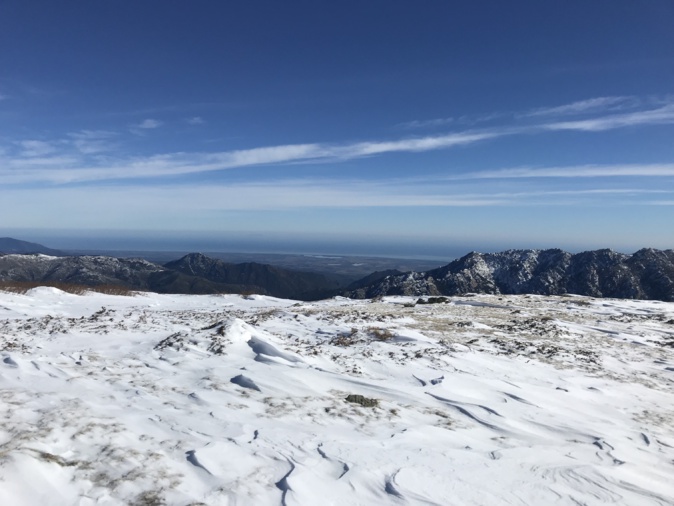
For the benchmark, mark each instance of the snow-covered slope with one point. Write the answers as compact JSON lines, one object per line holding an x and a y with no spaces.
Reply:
{"x":218,"y":400}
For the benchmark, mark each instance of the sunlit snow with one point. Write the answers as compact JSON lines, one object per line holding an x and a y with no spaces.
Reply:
{"x":219,"y":400}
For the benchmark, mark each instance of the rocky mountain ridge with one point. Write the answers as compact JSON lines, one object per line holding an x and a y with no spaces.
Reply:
{"x":192,"y":274}
{"x":646,"y":274}
{"x":263,"y":278}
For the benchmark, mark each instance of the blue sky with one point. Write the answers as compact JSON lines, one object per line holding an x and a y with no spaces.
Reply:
{"x":385,"y":127}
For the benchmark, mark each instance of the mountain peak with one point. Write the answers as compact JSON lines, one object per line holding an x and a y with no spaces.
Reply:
{"x":647,"y":274}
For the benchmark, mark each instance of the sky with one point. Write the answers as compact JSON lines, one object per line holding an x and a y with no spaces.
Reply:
{"x":387,"y":127}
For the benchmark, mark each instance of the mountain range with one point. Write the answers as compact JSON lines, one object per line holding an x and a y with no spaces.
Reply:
{"x":646,"y":274}
{"x":192,"y":274}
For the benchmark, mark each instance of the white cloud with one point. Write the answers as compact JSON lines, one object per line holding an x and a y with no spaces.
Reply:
{"x":89,"y":142}
{"x":412,"y":145}
{"x":93,"y":134}
{"x":92,"y":141}
{"x":148,"y":124}
{"x":144,"y":126}
{"x":465,"y":120}
{"x":592,"y":105}
{"x":195,"y":120}
{"x":577,"y":171}
{"x":597,"y":105}
{"x":35,"y":148}
{"x":174,"y":164}
{"x":429,"y":123}
{"x":661,"y":115}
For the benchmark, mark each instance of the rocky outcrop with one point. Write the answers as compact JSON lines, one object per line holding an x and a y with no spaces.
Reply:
{"x":261,"y":278}
{"x":647,"y":274}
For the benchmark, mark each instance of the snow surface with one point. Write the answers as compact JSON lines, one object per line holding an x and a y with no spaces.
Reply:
{"x":219,"y":400}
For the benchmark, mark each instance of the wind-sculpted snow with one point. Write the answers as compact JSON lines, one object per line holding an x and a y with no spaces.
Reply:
{"x":222,"y":400}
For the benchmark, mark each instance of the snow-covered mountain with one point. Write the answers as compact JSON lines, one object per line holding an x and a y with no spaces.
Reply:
{"x":646,"y":274}
{"x":223,"y":399}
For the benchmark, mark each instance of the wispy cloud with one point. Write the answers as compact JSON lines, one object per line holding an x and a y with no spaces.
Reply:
{"x":592,"y":105}
{"x":596,"y":105}
{"x":36,"y":148}
{"x":577,"y":171}
{"x":660,"y":115}
{"x":144,"y":126}
{"x":175,"y":164}
{"x":92,"y":141}
{"x":83,"y":167}
{"x":429,"y":123}
{"x":464,"y":121}
{"x":195,"y":120}
{"x":149,"y":124}
{"x":410,"y":145}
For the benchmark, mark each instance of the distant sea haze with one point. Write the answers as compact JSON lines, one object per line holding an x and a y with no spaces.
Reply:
{"x":403,"y":247}
{"x":423,"y":248}
{"x":221,"y":242}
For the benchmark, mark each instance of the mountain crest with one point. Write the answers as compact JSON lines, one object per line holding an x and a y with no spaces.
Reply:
{"x":647,"y":274}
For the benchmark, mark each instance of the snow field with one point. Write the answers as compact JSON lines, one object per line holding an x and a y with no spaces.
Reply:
{"x":219,"y":400}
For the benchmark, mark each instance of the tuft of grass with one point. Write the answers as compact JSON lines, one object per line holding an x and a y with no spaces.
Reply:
{"x":55,"y":459}
{"x":149,"y":498}
{"x":380,"y":334}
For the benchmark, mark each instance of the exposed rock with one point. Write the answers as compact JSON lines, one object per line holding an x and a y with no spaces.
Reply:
{"x":366,"y":402}
{"x":647,"y":274}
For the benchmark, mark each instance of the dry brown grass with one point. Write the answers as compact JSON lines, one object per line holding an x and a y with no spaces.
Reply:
{"x":379,"y":333}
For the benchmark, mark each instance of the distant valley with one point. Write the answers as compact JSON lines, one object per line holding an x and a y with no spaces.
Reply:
{"x":342,"y":268}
